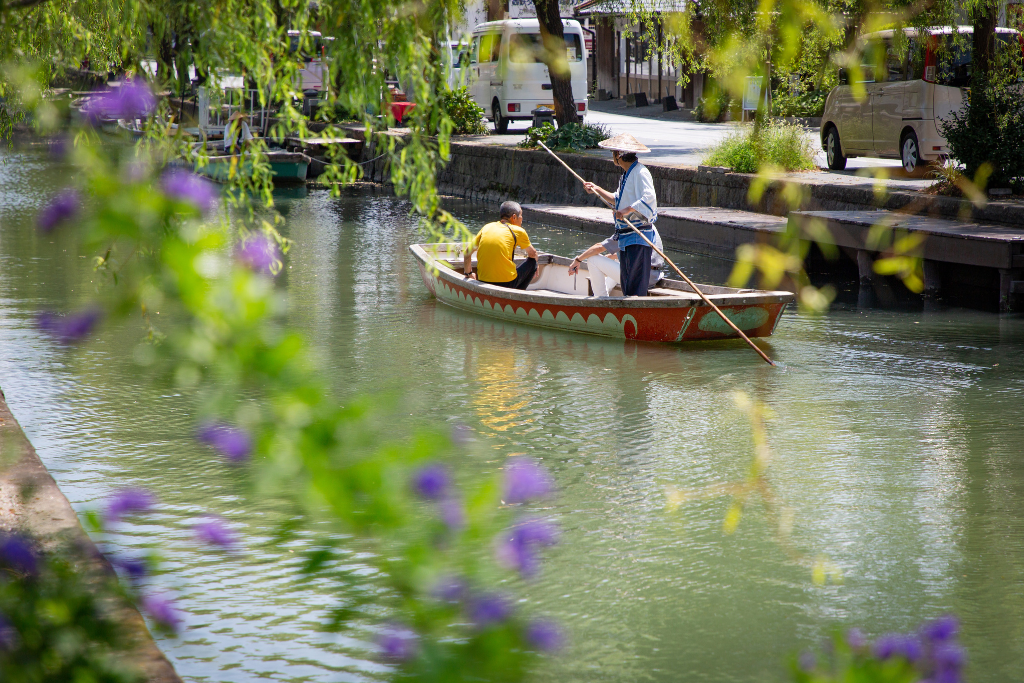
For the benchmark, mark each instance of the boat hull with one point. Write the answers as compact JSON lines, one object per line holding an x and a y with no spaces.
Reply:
{"x":285,"y":168}
{"x":654,"y":319}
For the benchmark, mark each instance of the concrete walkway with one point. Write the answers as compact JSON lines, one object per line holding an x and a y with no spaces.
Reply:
{"x":677,"y":141}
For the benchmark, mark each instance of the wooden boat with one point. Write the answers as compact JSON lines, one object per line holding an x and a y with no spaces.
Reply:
{"x":671,"y":313}
{"x":285,"y":167}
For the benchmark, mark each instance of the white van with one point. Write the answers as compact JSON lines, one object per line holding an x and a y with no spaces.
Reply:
{"x":909,"y":89}
{"x":506,"y":77}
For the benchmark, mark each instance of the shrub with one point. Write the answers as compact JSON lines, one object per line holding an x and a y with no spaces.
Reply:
{"x":777,"y":144}
{"x":536,"y":134}
{"x":572,"y":137}
{"x":987,"y":134}
{"x":576,"y":137}
{"x":466,"y":115}
{"x":713,"y":107}
{"x":811,"y":103}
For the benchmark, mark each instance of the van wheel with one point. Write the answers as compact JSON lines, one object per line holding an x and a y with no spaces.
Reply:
{"x":910,"y":152}
{"x":834,"y":150}
{"x":500,"y":122}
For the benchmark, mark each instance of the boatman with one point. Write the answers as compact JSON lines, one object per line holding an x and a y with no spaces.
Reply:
{"x":495,"y":246}
{"x":635,"y":199}
{"x":237,"y":135}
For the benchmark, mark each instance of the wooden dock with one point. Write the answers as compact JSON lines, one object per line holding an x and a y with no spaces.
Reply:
{"x":987,"y":257}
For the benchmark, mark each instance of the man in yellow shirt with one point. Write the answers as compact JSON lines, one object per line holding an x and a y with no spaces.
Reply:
{"x":495,"y":247}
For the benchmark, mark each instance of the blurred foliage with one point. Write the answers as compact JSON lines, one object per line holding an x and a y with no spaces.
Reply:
{"x":56,"y":623}
{"x":777,"y":144}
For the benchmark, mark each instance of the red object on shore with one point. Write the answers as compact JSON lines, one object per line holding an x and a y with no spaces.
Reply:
{"x":400,"y":109}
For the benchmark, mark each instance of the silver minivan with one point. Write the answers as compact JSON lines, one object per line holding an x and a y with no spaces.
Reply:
{"x":909,"y":86}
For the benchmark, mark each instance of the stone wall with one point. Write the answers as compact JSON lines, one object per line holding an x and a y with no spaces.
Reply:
{"x":497,"y":173}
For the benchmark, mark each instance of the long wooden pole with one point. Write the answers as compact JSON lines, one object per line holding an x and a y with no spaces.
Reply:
{"x":669,"y":261}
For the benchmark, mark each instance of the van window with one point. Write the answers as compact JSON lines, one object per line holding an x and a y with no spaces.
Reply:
{"x":954,"y":57}
{"x":525,"y":48}
{"x":490,"y":44}
{"x":893,"y":62}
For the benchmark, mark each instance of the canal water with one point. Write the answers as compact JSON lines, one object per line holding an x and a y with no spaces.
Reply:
{"x":895,"y":436}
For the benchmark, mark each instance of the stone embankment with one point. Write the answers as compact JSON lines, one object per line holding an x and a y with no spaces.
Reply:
{"x":45,"y":514}
{"x":496,"y":173}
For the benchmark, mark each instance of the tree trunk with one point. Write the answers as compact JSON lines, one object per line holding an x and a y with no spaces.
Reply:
{"x":553,"y":37}
{"x":986,"y":15}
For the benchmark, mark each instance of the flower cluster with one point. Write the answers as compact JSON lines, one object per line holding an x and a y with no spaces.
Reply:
{"x":132,"y":100}
{"x":188,"y":188}
{"x":231,"y":442}
{"x":929,"y":655}
{"x":70,"y":328}
{"x":259,"y":253}
{"x":60,"y":209}
{"x":433,"y":482}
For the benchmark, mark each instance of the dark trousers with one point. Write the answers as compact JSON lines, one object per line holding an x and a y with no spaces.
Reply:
{"x":635,"y":269}
{"x":524,"y":275}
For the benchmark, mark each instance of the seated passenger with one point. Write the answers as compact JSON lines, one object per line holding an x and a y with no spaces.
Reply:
{"x":605,"y":272}
{"x":495,"y":247}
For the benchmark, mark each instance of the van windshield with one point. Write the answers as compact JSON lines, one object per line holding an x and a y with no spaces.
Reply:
{"x":526,"y":48}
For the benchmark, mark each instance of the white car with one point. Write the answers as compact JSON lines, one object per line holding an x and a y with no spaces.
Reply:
{"x":906,"y":93}
{"x":506,"y":76}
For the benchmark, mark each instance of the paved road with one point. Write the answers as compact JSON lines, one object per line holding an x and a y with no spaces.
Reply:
{"x":675,"y":141}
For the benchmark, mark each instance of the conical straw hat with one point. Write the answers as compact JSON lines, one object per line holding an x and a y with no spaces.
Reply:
{"x":624,"y":142}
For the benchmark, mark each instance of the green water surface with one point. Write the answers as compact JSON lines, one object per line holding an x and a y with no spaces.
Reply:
{"x":897,"y":443}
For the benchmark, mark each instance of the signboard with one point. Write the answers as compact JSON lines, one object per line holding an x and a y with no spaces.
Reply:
{"x":751,"y":93}
{"x":521,"y":9}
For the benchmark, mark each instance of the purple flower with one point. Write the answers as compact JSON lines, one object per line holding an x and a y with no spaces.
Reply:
{"x":215,"y":532}
{"x":451,"y":589}
{"x":16,"y":553}
{"x":398,"y":642}
{"x":163,"y":612}
{"x":942,"y":629}
{"x":807,"y":661}
{"x":133,"y":100}
{"x":128,"y":501}
{"x":544,"y":636}
{"x":948,"y":656}
{"x":452,"y":514}
{"x":898,"y":645}
{"x":233,"y":443}
{"x":488,"y":609}
{"x":61,"y":208}
{"x":57,"y":147}
{"x":135,"y":567}
{"x":72,"y":328}
{"x":189,"y":188}
{"x":8,"y":635}
{"x":259,"y":253}
{"x":855,"y":638}
{"x":517,"y":548}
{"x":431,"y":481}
{"x":525,"y":479}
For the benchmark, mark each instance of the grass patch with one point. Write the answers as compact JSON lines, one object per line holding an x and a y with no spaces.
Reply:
{"x":779,"y":144}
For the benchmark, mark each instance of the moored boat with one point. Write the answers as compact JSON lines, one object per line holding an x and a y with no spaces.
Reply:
{"x":285,"y":167}
{"x":671,"y":313}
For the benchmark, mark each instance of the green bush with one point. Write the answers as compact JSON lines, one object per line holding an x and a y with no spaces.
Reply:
{"x":713,"y":107}
{"x":572,"y":137}
{"x":537,"y":134}
{"x":466,"y":114}
{"x":810,"y":103}
{"x":576,"y":137}
{"x":777,"y":144}
{"x":987,"y":135}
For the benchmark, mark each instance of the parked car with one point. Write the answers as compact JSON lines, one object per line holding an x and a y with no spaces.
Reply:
{"x":507,"y":77}
{"x":908,"y":88}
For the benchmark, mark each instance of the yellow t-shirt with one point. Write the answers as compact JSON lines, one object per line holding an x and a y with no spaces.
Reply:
{"x":495,"y":245}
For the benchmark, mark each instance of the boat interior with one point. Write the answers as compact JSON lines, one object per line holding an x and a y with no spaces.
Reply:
{"x":553,"y":275}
